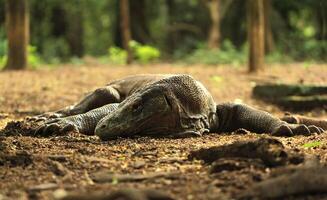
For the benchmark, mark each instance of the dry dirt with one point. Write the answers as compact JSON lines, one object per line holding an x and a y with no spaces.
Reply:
{"x":47,"y":168}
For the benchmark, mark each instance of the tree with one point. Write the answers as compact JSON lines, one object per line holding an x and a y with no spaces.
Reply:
{"x":125,"y":28}
{"x":269,"y":39}
{"x":75,"y":29}
{"x":17,"y":24}
{"x":256,"y":26}
{"x":217,"y":10}
{"x":214,"y":33}
{"x":139,"y":26}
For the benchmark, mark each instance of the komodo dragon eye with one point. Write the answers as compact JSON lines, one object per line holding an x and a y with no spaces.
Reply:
{"x":136,"y":106}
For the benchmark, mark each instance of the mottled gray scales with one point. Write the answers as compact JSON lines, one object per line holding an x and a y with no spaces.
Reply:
{"x":177,"y":105}
{"x":91,"y":118}
{"x":83,"y":123}
{"x":161,"y":105}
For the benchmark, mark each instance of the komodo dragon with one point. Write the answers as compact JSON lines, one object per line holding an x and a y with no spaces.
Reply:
{"x":114,"y":92}
{"x":161,"y":105}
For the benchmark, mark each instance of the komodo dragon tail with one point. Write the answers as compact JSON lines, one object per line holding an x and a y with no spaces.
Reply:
{"x":235,"y":116}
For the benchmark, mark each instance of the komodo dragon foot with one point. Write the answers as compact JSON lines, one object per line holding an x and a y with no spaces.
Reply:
{"x":296,"y":129}
{"x":83,"y":123}
{"x":59,"y":126}
{"x":299,"y":119}
{"x":46,"y":116}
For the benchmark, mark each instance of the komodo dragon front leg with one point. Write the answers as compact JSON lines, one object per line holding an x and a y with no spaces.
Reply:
{"x":95,"y":99}
{"x":83,"y":123}
{"x":115,"y":92}
{"x":235,"y":116}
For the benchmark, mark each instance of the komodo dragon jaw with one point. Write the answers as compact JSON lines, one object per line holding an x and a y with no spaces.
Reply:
{"x":177,"y":106}
{"x":149,"y":111}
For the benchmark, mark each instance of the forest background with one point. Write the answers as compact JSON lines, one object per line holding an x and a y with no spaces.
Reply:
{"x":186,"y":31}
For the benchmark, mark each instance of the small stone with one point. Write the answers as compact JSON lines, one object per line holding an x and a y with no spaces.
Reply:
{"x":59,"y":193}
{"x":138,"y":164}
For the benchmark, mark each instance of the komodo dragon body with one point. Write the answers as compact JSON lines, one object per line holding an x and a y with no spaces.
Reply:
{"x":114,"y":92}
{"x":161,"y":105}
{"x":177,"y":106}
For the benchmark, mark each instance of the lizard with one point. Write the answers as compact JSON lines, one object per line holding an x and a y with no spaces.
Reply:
{"x":113,"y":92}
{"x":83,"y":116}
{"x":172,"y":105}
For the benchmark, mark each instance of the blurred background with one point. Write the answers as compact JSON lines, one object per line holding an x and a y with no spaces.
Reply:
{"x":120,"y":32}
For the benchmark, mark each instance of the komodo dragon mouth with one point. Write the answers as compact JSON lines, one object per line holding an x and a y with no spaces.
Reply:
{"x":175,"y":106}
{"x":148,"y":112}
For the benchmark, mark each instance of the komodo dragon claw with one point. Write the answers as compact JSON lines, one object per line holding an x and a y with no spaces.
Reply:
{"x":56,"y":126}
{"x":298,"y":119}
{"x":296,"y":129}
{"x":83,"y":123}
{"x":44,"y":117}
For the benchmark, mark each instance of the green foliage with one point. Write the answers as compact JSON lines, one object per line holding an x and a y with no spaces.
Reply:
{"x":3,"y":61}
{"x":312,"y":144}
{"x":304,"y":49}
{"x":3,"y":52}
{"x":301,"y":36}
{"x":55,"y":50}
{"x":316,"y":50}
{"x":76,"y":61}
{"x":3,"y":47}
{"x":217,"y":80}
{"x":175,"y":27}
{"x":117,"y":55}
{"x":100,"y":25}
{"x":33,"y":58}
{"x":144,"y":53}
{"x":227,"y":54}
{"x":278,"y":57}
{"x":114,"y":181}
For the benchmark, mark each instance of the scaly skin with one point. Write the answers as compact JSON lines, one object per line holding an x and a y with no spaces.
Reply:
{"x":175,"y":106}
{"x":181,"y":106}
{"x":298,"y":119}
{"x":114,"y":92}
{"x":164,"y":105}
{"x":234,"y":116}
{"x":83,"y":123}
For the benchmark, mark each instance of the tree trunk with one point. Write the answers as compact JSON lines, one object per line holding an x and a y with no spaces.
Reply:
{"x":255,"y":18}
{"x":269,"y":40}
{"x":139,"y":25}
{"x":321,"y":19}
{"x":17,"y":23}
{"x":170,"y":36}
{"x":125,"y":28}
{"x":75,"y":33}
{"x":214,"y":33}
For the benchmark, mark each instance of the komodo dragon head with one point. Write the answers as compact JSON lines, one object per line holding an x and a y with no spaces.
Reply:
{"x":175,"y":106}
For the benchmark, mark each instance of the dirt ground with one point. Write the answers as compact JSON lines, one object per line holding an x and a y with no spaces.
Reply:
{"x":47,"y":168}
